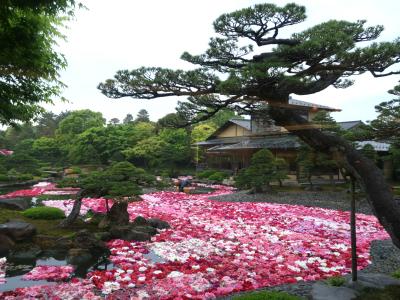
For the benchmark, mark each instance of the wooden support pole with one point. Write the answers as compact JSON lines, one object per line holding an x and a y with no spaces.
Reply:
{"x":353,"y":232}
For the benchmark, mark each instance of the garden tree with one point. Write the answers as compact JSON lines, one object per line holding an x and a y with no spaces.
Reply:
{"x":46,"y":124}
{"x":128,"y":119}
{"x":48,"y":149}
{"x":147,"y":152}
{"x":142,"y":116}
{"x":260,"y":66}
{"x":98,"y":145}
{"x":78,"y":121}
{"x":114,"y":121}
{"x":386,"y":126}
{"x":171,"y":120}
{"x":15,"y":134}
{"x":312,"y":162}
{"x":222,"y":116}
{"x":200,"y":133}
{"x":140,"y":131}
{"x":326,"y":122}
{"x":263,"y":169}
{"x":29,"y":63}
{"x":22,"y":162}
{"x":177,"y":152}
{"x":369,"y":152}
{"x":169,"y":149}
{"x":120,"y":182}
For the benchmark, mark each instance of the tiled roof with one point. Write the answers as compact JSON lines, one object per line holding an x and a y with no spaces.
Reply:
{"x":349,"y":124}
{"x":242,"y":122}
{"x":270,"y":142}
{"x":312,"y":105}
{"x":378,"y":146}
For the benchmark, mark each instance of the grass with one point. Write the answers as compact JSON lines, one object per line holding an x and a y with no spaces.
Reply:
{"x":44,"y":213}
{"x":54,"y":197}
{"x":396,"y":274}
{"x":46,"y":227}
{"x":391,"y":292}
{"x":336,"y":281}
{"x":266,"y":295}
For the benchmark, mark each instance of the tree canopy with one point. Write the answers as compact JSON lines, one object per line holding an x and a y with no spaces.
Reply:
{"x":29,"y":63}
{"x":302,"y":63}
{"x":252,"y":62}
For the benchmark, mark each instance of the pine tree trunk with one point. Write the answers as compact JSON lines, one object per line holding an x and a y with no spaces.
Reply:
{"x":68,"y":221}
{"x":369,"y":176}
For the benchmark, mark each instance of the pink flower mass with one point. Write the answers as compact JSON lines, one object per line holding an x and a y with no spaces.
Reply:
{"x":49,"y":273}
{"x":216,"y":248}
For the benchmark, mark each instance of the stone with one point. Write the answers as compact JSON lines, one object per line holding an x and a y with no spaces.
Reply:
{"x":147,"y":229}
{"x":128,"y":234}
{"x":159,"y":224}
{"x":140,"y":221}
{"x":322,"y":291}
{"x":64,"y":243}
{"x":18,"y":230}
{"x":78,"y":256}
{"x":104,"y":236}
{"x":138,"y":236}
{"x":87,"y":240}
{"x":118,"y":213}
{"x":26,"y":254}
{"x":372,"y":280}
{"x":6,"y":244}
{"x":15,"y":203}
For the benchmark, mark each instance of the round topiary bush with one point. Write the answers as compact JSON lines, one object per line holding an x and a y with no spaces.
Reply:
{"x":44,"y":213}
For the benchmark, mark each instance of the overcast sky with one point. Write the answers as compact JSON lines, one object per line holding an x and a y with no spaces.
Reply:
{"x":125,"y":34}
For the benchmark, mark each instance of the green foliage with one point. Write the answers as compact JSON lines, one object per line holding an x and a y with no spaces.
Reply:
{"x":29,"y":63}
{"x":312,"y":162}
{"x":119,"y":180}
{"x":202,"y":131}
{"x":205,"y":174}
{"x":336,"y":281}
{"x":43,"y":197}
{"x":263,"y":169}
{"x":218,"y":176}
{"x":80,"y":120}
{"x":324,"y":120}
{"x":44,"y":213}
{"x":142,"y":116}
{"x":250,"y":61}
{"x":386,"y":126}
{"x":391,"y":292}
{"x":266,"y":295}
{"x":22,"y":163}
{"x":369,"y":152}
{"x":4,"y":178}
{"x":396,"y":274}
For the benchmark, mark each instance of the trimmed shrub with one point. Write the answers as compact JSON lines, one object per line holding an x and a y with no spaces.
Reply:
{"x":266,"y":295}
{"x":218,"y":176}
{"x":44,"y":213}
{"x":205,"y":174}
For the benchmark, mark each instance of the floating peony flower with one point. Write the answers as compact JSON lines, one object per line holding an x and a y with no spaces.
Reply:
{"x":216,"y":248}
{"x":49,"y":273}
{"x":3,"y":262}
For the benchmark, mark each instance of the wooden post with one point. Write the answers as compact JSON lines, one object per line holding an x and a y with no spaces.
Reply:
{"x":353,"y":232}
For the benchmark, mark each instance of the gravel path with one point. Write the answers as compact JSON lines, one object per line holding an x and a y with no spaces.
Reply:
{"x":385,"y":256}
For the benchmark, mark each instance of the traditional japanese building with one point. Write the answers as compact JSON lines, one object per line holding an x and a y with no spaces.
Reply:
{"x":231,"y":146}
